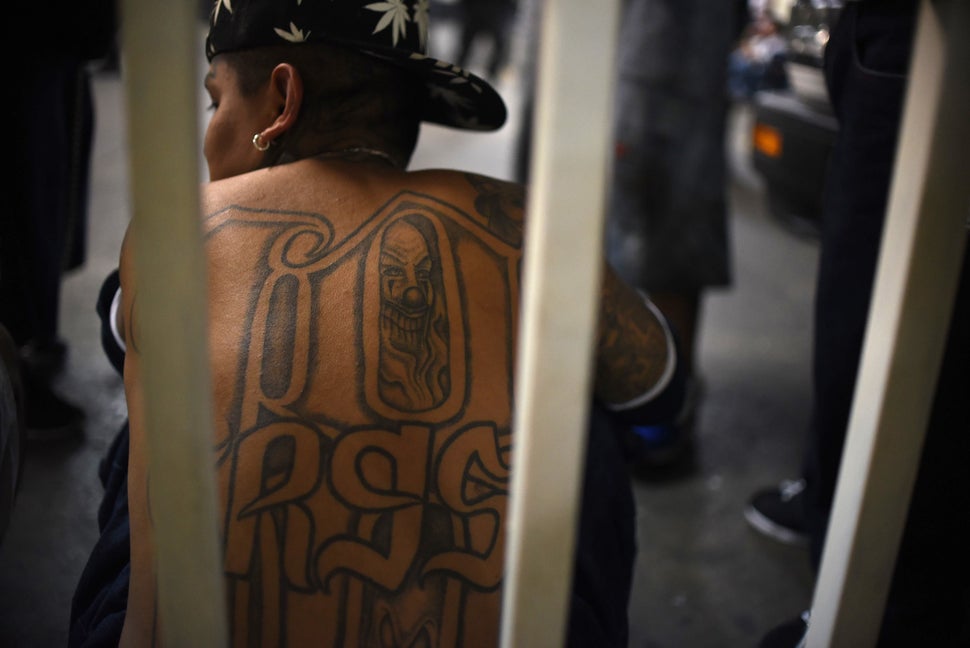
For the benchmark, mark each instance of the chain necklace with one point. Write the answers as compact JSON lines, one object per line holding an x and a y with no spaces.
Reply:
{"x":358,"y":151}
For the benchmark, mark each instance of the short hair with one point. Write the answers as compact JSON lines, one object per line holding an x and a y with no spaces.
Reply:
{"x":342,"y":87}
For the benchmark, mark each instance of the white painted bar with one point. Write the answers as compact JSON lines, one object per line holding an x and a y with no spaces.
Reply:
{"x":916,"y":280}
{"x":561,"y":274}
{"x":160,"y":46}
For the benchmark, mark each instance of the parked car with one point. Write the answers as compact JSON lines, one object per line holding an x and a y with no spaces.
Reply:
{"x":793,"y":129}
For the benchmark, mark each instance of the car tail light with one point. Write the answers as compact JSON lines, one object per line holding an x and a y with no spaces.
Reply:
{"x":767,"y":140}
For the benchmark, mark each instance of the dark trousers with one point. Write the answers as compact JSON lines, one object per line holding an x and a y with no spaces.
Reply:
{"x":43,"y":230}
{"x":492,"y":20}
{"x":866,"y":68}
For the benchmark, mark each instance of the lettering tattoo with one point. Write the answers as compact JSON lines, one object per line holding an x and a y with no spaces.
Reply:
{"x":364,"y":457}
{"x":364,"y":398}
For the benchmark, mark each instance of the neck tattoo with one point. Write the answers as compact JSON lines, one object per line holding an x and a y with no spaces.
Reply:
{"x":358,"y":152}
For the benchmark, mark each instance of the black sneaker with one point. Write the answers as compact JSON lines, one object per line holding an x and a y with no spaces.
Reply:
{"x":779,"y":513}
{"x":790,"y":634}
{"x":665,"y":451}
{"x":44,"y":359}
{"x":47,"y":416}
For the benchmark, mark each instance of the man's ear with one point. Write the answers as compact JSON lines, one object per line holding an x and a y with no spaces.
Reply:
{"x":286,"y":98}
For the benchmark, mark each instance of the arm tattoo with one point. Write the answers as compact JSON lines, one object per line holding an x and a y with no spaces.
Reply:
{"x":364,"y":459}
{"x":500,"y":205}
{"x":631,"y":352}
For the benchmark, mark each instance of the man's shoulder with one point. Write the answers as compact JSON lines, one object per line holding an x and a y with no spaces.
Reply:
{"x":498,"y":205}
{"x":344,"y":202}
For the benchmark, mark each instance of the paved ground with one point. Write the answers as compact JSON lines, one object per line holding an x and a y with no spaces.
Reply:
{"x":703,"y":579}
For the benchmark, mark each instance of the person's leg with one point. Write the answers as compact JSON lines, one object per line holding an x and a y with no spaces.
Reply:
{"x":605,"y":542}
{"x":683,"y":312}
{"x":499,"y":54}
{"x":929,"y":600}
{"x":866,"y":65}
{"x":33,"y":231}
{"x":49,"y":159}
{"x":466,"y":39}
{"x":500,"y":25}
{"x":33,"y":257}
{"x":866,"y":62}
{"x":11,"y":427}
{"x":100,"y":598}
{"x":667,"y":228}
{"x":81,"y":136}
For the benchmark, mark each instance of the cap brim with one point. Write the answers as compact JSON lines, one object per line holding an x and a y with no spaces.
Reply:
{"x":455,"y":96}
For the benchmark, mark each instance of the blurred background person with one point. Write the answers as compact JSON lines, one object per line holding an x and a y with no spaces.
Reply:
{"x":758,"y":61}
{"x":667,"y":219}
{"x":43,"y":232}
{"x":667,"y":222}
{"x":867,"y":63}
{"x":486,"y":21}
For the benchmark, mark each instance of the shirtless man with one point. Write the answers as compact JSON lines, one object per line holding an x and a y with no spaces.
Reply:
{"x":363,"y":326}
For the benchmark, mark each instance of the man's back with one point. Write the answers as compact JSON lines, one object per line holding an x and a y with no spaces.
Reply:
{"x":362,"y":333}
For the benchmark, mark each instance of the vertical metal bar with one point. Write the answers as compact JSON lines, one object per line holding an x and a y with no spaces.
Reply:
{"x":912,"y":302}
{"x":160,"y":47}
{"x":560,"y":285}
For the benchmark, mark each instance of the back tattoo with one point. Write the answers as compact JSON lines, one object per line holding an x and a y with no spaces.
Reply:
{"x":364,"y":457}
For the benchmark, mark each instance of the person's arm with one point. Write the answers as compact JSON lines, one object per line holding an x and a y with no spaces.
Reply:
{"x":636,"y":354}
{"x":140,"y":618}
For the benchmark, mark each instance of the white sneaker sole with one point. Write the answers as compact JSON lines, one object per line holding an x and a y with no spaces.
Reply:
{"x":774,"y":531}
